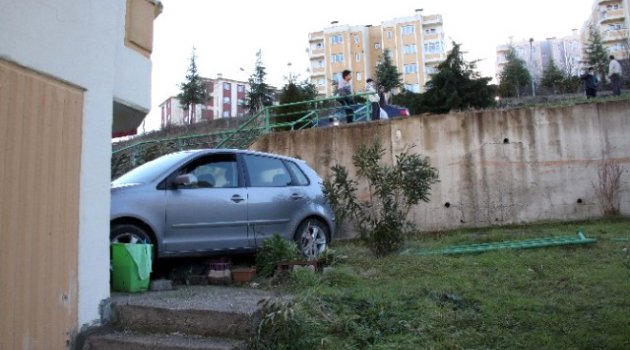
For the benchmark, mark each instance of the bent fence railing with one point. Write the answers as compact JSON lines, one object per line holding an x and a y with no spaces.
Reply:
{"x":289,"y":116}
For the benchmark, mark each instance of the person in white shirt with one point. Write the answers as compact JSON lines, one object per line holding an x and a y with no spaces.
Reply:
{"x":373,"y":97}
{"x":614,"y":73}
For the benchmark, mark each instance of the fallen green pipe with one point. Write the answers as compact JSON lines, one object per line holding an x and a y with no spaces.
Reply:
{"x":524,"y":244}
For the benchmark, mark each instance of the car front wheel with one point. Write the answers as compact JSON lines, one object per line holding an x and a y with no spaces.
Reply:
{"x":129,"y":233}
{"x":312,"y":238}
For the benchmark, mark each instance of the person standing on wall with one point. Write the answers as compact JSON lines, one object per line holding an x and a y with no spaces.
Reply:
{"x":374,"y":99}
{"x":345,"y":89}
{"x":590,"y":83}
{"x":614,"y":73}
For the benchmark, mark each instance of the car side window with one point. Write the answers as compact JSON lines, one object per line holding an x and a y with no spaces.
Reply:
{"x":216,"y":171}
{"x":298,"y":174}
{"x":266,"y":171}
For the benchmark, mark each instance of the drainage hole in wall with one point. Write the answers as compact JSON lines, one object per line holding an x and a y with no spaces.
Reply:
{"x":580,"y":201}
{"x":447,"y":204}
{"x":506,"y":140}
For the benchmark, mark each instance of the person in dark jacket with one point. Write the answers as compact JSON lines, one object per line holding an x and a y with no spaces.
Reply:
{"x":590,"y":83}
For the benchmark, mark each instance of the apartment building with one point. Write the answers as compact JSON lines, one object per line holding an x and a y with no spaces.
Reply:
{"x":565,"y":52}
{"x":415,"y":45}
{"x":226,"y":99}
{"x":611,"y":18}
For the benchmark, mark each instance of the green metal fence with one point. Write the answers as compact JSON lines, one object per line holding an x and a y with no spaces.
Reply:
{"x":291,"y":116}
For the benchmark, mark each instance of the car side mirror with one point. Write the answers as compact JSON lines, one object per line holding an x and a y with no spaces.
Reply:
{"x":185,"y":180}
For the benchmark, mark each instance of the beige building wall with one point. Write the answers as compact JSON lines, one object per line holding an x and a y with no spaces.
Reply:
{"x":360,"y":49}
{"x":40,"y":151}
{"x":610,"y":18}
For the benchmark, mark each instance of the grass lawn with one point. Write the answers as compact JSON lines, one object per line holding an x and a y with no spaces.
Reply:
{"x":566,"y":297}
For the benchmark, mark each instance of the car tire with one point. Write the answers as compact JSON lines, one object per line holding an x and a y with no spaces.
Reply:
{"x":312,"y":238}
{"x":129,"y":233}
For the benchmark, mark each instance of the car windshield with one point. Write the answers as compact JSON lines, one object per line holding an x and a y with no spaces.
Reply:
{"x":149,"y":171}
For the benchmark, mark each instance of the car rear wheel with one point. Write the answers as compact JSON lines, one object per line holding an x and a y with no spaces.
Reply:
{"x":312,"y":238}
{"x":129,"y":233}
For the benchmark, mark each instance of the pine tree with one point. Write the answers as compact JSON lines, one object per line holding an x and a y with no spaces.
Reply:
{"x":553,"y":78}
{"x":514,"y":77}
{"x":595,"y":53}
{"x":387,"y":74}
{"x":259,"y":94}
{"x":193,"y":91}
{"x":457,"y":86}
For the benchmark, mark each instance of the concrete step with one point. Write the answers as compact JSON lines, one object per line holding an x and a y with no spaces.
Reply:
{"x":138,"y":341}
{"x":205,"y":311}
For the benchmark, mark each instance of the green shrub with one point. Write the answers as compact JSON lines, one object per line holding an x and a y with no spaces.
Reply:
{"x":382,"y":219}
{"x":272,"y":252}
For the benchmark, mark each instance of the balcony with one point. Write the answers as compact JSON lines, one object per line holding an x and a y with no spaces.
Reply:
{"x":615,"y":35}
{"x":608,"y":16}
{"x":317,"y":36}
{"x":433,"y":19}
{"x":434,"y":57}
{"x":317,"y":53}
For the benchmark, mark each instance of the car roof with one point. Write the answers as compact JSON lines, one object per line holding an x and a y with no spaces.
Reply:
{"x":240,"y":151}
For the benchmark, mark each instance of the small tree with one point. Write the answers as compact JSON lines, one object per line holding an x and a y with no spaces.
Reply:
{"x":193,"y":91}
{"x":457,"y":85}
{"x":387,"y":74}
{"x":294,"y":92}
{"x":259,"y":94}
{"x":596,"y":54}
{"x":514,"y":77}
{"x":553,"y":78}
{"x":392,"y":192}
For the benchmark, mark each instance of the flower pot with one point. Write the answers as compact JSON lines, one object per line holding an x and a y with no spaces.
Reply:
{"x":243,"y":275}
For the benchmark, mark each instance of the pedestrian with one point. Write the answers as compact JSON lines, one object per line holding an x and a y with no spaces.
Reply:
{"x":374,"y":99}
{"x":381,"y":96}
{"x":590,"y":83}
{"x":345,"y":90}
{"x":614,"y":73}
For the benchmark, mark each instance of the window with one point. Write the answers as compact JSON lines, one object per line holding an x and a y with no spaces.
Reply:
{"x":431,"y":70}
{"x":412,"y":87}
{"x":411,"y":68}
{"x":356,"y":39}
{"x":433,"y":47}
{"x":336,"y":39}
{"x":389,"y":34}
{"x":410,"y":48}
{"x":357,"y":57}
{"x":319,"y":45}
{"x":377,"y":45}
{"x":408,"y":30}
{"x":226,"y":114}
{"x":336,"y":57}
{"x":240,"y":88}
{"x":298,"y":175}
{"x":429,"y":31}
{"x":266,"y":172}
{"x":318,"y":64}
{"x":226,"y":99}
{"x":227,"y":86}
{"x":241,"y":102}
{"x":390,"y":54}
{"x":359,"y":75}
{"x":321,"y":82}
{"x":217,"y":171}
{"x":337,"y":76}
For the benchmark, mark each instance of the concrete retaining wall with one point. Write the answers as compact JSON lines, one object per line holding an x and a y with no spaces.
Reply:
{"x":496,"y":167}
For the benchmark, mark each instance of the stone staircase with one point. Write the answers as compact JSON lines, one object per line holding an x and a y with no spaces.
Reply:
{"x":194,"y":317}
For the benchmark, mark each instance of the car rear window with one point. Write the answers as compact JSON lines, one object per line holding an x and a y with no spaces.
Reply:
{"x":298,"y":174}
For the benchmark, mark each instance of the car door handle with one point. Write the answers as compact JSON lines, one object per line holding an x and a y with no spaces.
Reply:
{"x":296,"y":196}
{"x":236,"y":198}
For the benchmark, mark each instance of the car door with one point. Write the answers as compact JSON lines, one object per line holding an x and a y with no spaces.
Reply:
{"x":274,"y":200}
{"x":211,"y":213}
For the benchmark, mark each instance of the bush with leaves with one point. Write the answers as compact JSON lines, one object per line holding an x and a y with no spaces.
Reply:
{"x":392,"y":191}
{"x":272,"y":252}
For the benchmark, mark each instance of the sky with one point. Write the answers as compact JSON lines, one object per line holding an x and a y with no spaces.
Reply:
{"x":227,"y":34}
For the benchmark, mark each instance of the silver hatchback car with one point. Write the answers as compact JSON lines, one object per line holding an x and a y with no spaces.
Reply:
{"x":204,"y":202}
